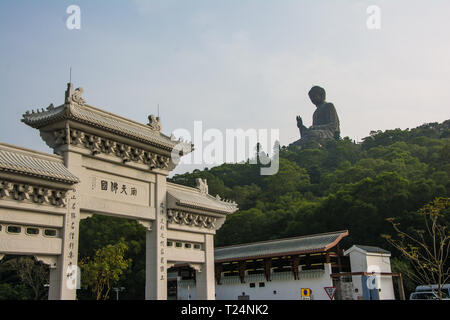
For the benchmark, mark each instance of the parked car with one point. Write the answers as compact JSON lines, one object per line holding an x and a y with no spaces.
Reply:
{"x":434,"y":287}
{"x":427,"y":295}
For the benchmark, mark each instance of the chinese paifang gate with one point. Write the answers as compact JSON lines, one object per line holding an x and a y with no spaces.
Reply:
{"x":109,"y":165}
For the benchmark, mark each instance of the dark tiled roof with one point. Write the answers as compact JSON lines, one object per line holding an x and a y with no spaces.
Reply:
{"x":371,"y":249}
{"x":17,"y":160}
{"x":305,"y":244}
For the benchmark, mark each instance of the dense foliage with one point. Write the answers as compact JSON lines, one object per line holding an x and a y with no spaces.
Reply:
{"x":23,"y":278}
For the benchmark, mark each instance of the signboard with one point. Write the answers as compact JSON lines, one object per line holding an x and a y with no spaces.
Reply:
{"x":305,"y":292}
{"x":331,"y":291}
{"x":110,"y":187}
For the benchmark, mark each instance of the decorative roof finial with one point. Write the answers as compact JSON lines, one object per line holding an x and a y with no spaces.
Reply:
{"x":154,"y":122}
{"x":202,"y":185}
{"x":74,"y":96}
{"x":69,"y":92}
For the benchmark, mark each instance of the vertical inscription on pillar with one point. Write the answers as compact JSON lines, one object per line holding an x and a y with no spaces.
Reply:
{"x":71,"y":242}
{"x":162,"y":241}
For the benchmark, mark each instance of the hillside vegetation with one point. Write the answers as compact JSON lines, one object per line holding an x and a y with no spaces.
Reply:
{"x":341,"y":185}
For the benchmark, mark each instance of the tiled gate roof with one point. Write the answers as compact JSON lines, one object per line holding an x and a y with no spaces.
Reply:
{"x":298,"y":245}
{"x":26,"y":162}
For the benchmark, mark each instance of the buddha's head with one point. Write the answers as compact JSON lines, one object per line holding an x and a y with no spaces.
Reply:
{"x":317,"y":95}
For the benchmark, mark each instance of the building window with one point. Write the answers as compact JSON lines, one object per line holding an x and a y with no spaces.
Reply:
{"x":230,"y":273}
{"x":252,"y":285}
{"x":197,"y":246}
{"x":32,"y":231}
{"x":14,"y":229}
{"x":187,"y":245}
{"x":0,"y":227}
{"x":178,"y":244}
{"x":316,"y":266}
{"x":262,"y":284}
{"x":282,"y":269}
{"x":256,"y":271}
{"x":50,"y":232}
{"x":169,"y":243}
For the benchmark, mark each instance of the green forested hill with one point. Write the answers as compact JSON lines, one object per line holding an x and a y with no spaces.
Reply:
{"x":341,"y":185}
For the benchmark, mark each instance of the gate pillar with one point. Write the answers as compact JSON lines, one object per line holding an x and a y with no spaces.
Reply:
{"x":64,"y":278}
{"x":205,"y":279}
{"x":156,"y":241}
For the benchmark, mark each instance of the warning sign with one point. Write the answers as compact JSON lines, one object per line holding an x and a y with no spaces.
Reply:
{"x":331,"y":291}
{"x":305,"y":292}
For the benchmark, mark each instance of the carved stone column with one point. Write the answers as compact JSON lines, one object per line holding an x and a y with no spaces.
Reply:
{"x":156,"y":242}
{"x":205,"y":284}
{"x":64,"y":277}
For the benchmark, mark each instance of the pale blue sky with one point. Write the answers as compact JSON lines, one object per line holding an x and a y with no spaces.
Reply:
{"x":232,"y":64}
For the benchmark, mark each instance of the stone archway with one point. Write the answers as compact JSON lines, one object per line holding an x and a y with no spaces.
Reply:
{"x":105,"y":164}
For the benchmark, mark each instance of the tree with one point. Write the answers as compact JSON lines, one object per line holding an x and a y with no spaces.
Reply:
{"x":33,"y":275}
{"x":426,"y":249}
{"x":97,"y":232}
{"x":105,"y":269}
{"x":290,"y":178}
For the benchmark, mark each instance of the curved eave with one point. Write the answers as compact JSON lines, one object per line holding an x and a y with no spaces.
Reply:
{"x":205,"y":208}
{"x":41,"y":119}
{"x":335,"y":242}
{"x":64,"y":180}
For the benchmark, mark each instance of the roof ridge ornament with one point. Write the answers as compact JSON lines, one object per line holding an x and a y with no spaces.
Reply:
{"x":74,"y":96}
{"x":202,"y":185}
{"x":154,"y":122}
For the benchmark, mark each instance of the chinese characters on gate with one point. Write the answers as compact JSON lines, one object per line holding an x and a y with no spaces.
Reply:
{"x":115,"y":187}
{"x":72,"y":281}
{"x":162,"y":239}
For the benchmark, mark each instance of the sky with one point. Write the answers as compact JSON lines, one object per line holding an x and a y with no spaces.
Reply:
{"x":228,"y":63}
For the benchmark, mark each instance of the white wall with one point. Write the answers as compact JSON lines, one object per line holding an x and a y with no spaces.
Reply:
{"x":361,"y":262}
{"x":283,"y":283}
{"x":358,"y":263}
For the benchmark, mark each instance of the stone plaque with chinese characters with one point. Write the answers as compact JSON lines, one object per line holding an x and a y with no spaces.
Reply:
{"x":119,"y":189}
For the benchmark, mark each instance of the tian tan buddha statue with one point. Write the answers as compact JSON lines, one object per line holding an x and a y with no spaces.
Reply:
{"x":325,"y":120}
